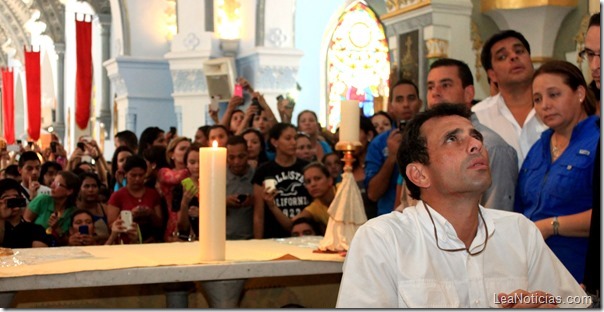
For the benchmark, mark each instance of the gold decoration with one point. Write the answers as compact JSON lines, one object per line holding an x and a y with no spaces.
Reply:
{"x":437,"y":48}
{"x":580,"y":37}
{"x":476,"y":47}
{"x":398,"y":7}
{"x":490,"y":5}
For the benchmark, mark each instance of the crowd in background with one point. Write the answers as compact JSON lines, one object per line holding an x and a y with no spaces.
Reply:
{"x":549,"y":126}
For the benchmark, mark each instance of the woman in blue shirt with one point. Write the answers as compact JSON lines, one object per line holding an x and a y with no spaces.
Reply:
{"x":554,"y":185}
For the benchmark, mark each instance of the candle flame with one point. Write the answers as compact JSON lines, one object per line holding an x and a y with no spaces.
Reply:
{"x":214,"y":144}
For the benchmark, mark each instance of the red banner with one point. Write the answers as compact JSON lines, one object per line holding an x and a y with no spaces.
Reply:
{"x":33,"y":82}
{"x":83,"y":73}
{"x":8,"y":105}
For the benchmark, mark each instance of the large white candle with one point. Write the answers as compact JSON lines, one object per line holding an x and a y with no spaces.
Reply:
{"x":349,"y":121}
{"x":212,"y":202}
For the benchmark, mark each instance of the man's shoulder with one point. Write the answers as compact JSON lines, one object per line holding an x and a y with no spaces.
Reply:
{"x":486,"y":104}
{"x":491,"y":138}
{"x":398,"y":223}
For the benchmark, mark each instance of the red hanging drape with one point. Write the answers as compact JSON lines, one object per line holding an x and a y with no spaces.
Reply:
{"x":83,"y":72}
{"x":8,"y":105}
{"x":34,"y":94}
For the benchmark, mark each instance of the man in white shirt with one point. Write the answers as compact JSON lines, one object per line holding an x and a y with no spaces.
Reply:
{"x":29,"y":168}
{"x":448,"y":251}
{"x":506,"y":57}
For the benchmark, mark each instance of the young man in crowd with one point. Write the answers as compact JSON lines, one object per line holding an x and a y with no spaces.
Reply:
{"x":380,"y":161}
{"x":506,"y":57}
{"x":447,"y":251}
{"x":240,"y":208}
{"x":29,"y":169}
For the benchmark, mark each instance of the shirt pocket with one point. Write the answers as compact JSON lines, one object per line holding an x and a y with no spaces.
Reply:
{"x":427,"y":294}
{"x":573,"y":178}
{"x":507,"y":285}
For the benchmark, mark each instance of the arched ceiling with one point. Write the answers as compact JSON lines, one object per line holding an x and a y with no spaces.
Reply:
{"x":15,"y":13}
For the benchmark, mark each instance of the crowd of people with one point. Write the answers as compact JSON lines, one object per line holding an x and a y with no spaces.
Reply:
{"x":537,"y":137}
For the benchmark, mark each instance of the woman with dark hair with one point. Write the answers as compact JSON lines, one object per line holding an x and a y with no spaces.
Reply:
{"x":554,"y":187}
{"x":166,"y":178}
{"x":117,"y":179}
{"x":308,"y":123}
{"x":144,"y":202}
{"x":304,"y":147}
{"x":382,"y":121}
{"x":83,"y":231}
{"x":48,"y":172}
{"x":185,"y":201}
{"x":256,"y":147}
{"x":273,"y":207}
{"x":218,"y":133}
{"x":53,"y":212}
{"x":103,"y":215}
{"x":152,"y":136}
{"x":320,"y":185}
{"x":201,"y":135}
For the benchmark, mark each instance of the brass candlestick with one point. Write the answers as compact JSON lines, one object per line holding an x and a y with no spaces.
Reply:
{"x":348,"y":148}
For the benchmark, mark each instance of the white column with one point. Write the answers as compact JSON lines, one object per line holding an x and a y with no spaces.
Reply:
{"x":59,"y":124}
{"x":106,"y":101}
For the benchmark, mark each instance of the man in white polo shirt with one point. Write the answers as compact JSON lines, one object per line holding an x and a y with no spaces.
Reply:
{"x":506,"y":57}
{"x":448,"y":251}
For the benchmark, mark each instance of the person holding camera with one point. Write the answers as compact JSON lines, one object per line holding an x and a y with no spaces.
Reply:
{"x":14,"y":231}
{"x":240,"y":201}
{"x":83,"y":232}
{"x":380,"y":161}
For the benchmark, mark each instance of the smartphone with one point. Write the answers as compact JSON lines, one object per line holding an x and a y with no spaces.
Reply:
{"x":83,"y":229}
{"x":256,"y":103}
{"x":241,"y":198}
{"x":18,"y":202}
{"x":13,"y":148}
{"x":81,"y":146}
{"x":402,"y":124}
{"x":53,"y":146}
{"x":214,"y":103}
{"x":238,"y":90}
{"x":126,"y":216}
{"x":173,"y":131}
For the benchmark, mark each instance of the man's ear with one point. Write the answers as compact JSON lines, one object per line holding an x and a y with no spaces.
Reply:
{"x":468,"y":94}
{"x":416,"y":174}
{"x":492,"y":76}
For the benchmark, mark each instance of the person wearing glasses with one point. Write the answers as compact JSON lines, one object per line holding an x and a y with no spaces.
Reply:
{"x":591,"y":54}
{"x":448,"y":251}
{"x":53,"y":212}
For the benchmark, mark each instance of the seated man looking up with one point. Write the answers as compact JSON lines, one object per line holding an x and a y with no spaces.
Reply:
{"x":448,"y":251}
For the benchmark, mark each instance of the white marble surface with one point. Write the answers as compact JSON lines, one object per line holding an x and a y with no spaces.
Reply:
{"x":176,"y":264}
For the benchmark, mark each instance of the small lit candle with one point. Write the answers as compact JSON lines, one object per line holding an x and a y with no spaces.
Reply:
{"x":212,"y":202}
{"x":349,"y":121}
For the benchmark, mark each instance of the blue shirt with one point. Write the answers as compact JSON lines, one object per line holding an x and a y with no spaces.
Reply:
{"x":377,"y":152}
{"x":564,"y":187}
